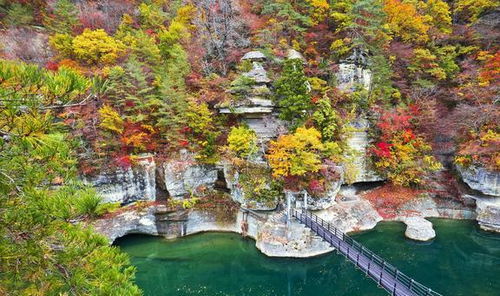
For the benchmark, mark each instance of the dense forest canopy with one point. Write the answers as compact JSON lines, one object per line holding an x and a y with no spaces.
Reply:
{"x":92,"y":84}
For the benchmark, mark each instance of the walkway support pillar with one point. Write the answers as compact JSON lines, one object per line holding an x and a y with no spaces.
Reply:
{"x":288,"y":207}
{"x":305,"y":200}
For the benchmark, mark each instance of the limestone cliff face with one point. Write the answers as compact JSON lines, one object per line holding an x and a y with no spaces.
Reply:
{"x":183,"y":176}
{"x":480,"y":179}
{"x":125,"y":185}
{"x":354,"y":72}
{"x":359,"y":141}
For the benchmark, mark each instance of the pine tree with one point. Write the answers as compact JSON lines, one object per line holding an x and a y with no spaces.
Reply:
{"x":292,"y":92}
{"x":62,"y":18}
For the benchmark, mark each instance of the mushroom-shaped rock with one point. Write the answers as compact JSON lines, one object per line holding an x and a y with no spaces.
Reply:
{"x":254,"y":56}
{"x":417,"y":228}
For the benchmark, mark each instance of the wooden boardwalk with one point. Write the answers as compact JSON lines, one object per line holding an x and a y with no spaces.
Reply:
{"x":386,"y":275}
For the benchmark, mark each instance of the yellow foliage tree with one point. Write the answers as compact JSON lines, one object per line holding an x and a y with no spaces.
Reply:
{"x":472,"y":9}
{"x":242,"y":141}
{"x":110,"y":119}
{"x":405,"y":21}
{"x":96,"y":46}
{"x":296,"y":154}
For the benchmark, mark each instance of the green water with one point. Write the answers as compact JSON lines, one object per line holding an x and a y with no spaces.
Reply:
{"x":462,"y":260}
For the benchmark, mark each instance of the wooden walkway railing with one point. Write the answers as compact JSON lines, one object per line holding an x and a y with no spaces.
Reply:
{"x":387,"y":276}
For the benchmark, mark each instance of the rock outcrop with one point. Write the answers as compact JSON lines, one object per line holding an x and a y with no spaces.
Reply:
{"x":359,"y":141}
{"x":488,"y":213}
{"x":131,"y":221}
{"x":232,"y":177}
{"x":480,"y":179}
{"x":354,"y":71}
{"x":295,"y":240}
{"x":184,"y":176}
{"x":126,"y":185}
{"x":351,"y":213}
{"x":255,"y":108}
{"x":417,"y":228}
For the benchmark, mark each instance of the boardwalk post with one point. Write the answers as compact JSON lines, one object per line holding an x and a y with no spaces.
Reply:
{"x":288,"y":207}
{"x":381,"y":273}
{"x":411,"y":284}
{"x":305,"y":200}
{"x":369,"y":263}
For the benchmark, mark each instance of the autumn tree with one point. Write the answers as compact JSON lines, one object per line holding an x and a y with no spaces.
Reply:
{"x":296,"y":154}
{"x":221,"y":26}
{"x":405,"y":21}
{"x":242,"y":141}
{"x":400,"y":154}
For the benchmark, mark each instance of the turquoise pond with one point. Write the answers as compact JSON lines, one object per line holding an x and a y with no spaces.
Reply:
{"x":462,"y":260}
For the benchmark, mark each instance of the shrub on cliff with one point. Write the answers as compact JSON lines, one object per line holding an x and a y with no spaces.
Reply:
{"x":400,"y":154}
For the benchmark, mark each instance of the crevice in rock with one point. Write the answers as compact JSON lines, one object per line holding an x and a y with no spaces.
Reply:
{"x":220,"y":183}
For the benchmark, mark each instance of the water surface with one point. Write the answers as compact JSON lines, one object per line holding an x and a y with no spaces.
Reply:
{"x":462,"y":260}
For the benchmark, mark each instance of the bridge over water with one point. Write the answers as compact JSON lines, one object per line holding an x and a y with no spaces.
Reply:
{"x":387,"y":276}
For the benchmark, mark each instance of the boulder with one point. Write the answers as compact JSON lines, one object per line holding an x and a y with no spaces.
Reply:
{"x":351,"y":214}
{"x":350,"y":75}
{"x":293,"y":54}
{"x":126,"y":185}
{"x":480,"y":179}
{"x":417,"y":228}
{"x":324,"y":201}
{"x":276,"y":239}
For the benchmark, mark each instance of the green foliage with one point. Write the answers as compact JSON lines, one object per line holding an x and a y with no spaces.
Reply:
{"x":90,"y":47}
{"x":200,"y":121}
{"x":28,"y":84}
{"x":439,"y":14}
{"x":42,"y":251}
{"x":327,"y":120}
{"x":62,"y":18}
{"x":242,"y":141}
{"x":257,"y":184}
{"x":287,"y":19}
{"x":292,"y":93}
{"x":199,"y":117}
{"x":63,"y":43}
{"x":186,"y":203}
{"x":18,"y":14}
{"x":151,"y":15}
{"x":110,"y":119}
{"x":241,"y":86}
{"x":438,"y":64}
